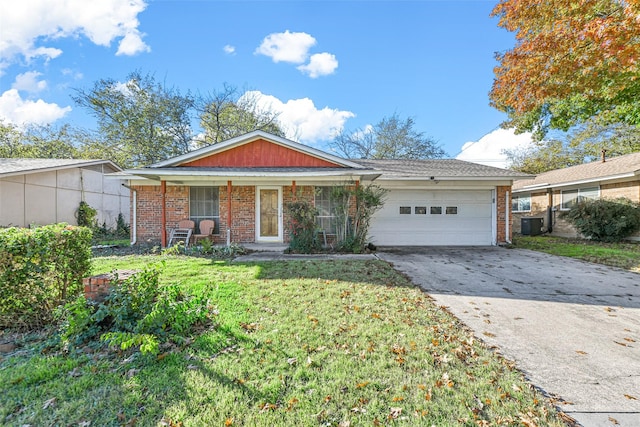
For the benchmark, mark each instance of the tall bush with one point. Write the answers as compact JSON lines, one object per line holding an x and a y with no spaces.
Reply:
{"x":303,"y":227}
{"x":354,"y":208}
{"x":40,"y":269}
{"x":605,"y":220}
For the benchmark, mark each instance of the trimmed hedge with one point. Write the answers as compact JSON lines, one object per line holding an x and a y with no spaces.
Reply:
{"x":40,"y":269}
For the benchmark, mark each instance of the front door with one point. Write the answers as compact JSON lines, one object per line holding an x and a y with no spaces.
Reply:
{"x":269,"y":218}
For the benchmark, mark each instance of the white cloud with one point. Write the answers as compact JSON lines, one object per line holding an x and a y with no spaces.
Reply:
{"x":29,"y":82}
{"x":300,"y":118}
{"x":287,"y":47}
{"x":29,"y":24}
{"x":489,"y":150}
{"x":132,"y":44}
{"x":229,"y":50}
{"x":320,"y":64}
{"x":16,"y":110}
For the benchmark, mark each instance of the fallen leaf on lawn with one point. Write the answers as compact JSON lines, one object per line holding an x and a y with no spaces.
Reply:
{"x":488,"y":334}
{"x":628,"y":396}
{"x":292,"y":360}
{"x":228,"y":422}
{"x":581,"y":352}
{"x":614,"y":421}
{"x":516,"y":387}
{"x":527,"y":421}
{"x":375,"y":315}
{"x":121,"y":417}
{"x":395,"y":413}
{"x":428,"y":396}
{"x":75,"y":373}
{"x":327,"y":399}
{"x":362,"y":385}
{"x":84,"y":423}
{"x":345,"y":423}
{"x":398,"y":399}
{"x":49,"y":403}
{"x":132,"y":372}
{"x":249,"y":327}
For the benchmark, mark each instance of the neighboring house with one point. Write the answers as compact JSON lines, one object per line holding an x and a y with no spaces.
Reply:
{"x":553,"y":192}
{"x":244,"y":183}
{"x":47,"y":191}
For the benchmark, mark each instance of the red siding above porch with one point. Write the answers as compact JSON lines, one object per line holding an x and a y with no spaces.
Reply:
{"x":263,"y":154}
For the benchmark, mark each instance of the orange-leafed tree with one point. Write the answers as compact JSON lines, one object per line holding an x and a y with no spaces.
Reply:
{"x":573,"y":60}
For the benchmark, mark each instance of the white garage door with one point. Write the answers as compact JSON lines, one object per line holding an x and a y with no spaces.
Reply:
{"x":434,"y":218}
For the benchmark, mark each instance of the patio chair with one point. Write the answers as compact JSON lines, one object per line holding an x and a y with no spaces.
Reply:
{"x":182,"y":233}
{"x":206,"y":230}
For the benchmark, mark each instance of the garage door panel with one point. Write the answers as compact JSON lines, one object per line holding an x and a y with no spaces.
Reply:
{"x":471,"y":224}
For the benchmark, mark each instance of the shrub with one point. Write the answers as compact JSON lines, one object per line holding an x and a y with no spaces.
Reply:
{"x":605,"y":220}
{"x":136,"y":313}
{"x":303,"y":227}
{"x":40,"y":269}
{"x":354,"y":208}
{"x":86,"y":215}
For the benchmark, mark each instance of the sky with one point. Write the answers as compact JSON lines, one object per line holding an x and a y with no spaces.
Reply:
{"x":323,"y":66}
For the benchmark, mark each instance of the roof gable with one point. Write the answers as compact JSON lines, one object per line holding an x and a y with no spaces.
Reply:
{"x":613,"y":168}
{"x":257,"y":149}
{"x":260,"y":154}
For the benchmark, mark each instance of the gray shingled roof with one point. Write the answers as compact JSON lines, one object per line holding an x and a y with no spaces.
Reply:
{"x":612,"y":168}
{"x":19,"y":166}
{"x":438,"y":168}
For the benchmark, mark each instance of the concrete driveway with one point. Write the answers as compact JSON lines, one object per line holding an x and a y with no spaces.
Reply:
{"x":572,"y":327}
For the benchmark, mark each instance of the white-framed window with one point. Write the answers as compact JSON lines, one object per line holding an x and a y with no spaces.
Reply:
{"x":204,"y":203}
{"x":326,"y":219}
{"x":569,"y":198}
{"x":521,"y":203}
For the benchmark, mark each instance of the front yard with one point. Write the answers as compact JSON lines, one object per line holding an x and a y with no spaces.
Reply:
{"x":624,"y":255}
{"x":326,"y":343}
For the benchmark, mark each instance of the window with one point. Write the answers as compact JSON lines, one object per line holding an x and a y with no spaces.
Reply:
{"x":521,"y":203}
{"x":435,"y":210}
{"x":420,"y":210}
{"x":451,"y":210}
{"x":326,"y":219}
{"x":405,"y":210}
{"x":572,"y":197}
{"x":204,"y":204}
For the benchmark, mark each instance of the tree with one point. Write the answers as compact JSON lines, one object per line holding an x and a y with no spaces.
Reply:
{"x":390,"y":138}
{"x":141,"y":119}
{"x":224,"y":115}
{"x":572,"y":61}
{"x":38,"y":141}
{"x":583,"y":144}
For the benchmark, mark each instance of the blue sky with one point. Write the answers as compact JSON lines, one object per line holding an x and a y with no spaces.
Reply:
{"x":322,"y":65}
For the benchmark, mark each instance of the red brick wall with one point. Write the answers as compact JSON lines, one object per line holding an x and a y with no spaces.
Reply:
{"x":243,"y":205}
{"x":149,"y":213}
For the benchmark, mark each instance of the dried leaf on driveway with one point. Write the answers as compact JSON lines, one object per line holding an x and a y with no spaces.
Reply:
{"x":628,"y":396}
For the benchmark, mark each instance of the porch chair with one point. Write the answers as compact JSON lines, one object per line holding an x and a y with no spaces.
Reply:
{"x":206,"y":230}
{"x":182,"y":233}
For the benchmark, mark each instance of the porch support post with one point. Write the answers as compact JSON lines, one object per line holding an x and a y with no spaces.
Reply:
{"x":229,"y":222}
{"x":293,"y":190}
{"x":163,"y":214}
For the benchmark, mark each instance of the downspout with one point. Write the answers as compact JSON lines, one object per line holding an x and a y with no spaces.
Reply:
{"x":134,"y":220}
{"x":507,"y":205}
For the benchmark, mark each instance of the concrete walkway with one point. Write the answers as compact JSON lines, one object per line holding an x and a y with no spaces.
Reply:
{"x":572,"y":327}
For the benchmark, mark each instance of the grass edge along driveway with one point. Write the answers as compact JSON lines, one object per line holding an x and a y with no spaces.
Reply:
{"x":326,"y":343}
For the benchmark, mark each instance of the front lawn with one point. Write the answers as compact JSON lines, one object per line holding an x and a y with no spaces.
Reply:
{"x":304,"y":343}
{"x":621,"y":255}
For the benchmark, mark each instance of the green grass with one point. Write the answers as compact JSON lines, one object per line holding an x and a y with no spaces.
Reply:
{"x":306,"y":343}
{"x":621,"y":255}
